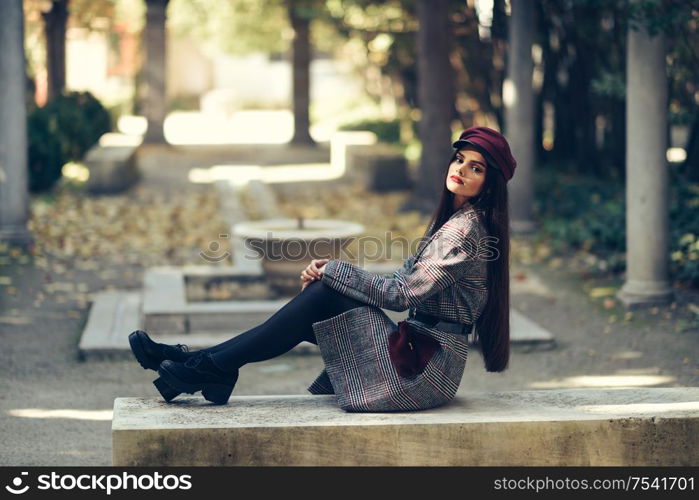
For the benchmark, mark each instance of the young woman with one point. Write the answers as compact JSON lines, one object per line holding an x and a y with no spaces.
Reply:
{"x":457,"y":283}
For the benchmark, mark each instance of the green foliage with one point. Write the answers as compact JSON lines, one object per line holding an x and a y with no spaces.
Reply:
{"x":660,"y":15}
{"x":62,"y":131}
{"x":45,"y":156}
{"x":579,"y":212}
{"x":386,"y":131}
{"x":237,"y":27}
{"x":582,"y":212}
{"x":609,"y":84}
{"x":684,"y":228}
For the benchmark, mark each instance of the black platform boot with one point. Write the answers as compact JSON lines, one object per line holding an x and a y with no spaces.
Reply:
{"x":150,"y":354}
{"x":198,"y":373}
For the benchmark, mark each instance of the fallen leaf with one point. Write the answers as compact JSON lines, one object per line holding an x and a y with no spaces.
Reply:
{"x":602,"y":292}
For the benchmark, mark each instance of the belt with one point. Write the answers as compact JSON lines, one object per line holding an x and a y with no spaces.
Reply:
{"x":440,"y":324}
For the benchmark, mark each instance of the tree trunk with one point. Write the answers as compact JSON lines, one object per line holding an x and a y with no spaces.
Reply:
{"x":691,"y":163}
{"x":436,"y":101}
{"x":300,"y":67}
{"x":498,"y":34}
{"x":154,"y":69}
{"x":55,"y":21}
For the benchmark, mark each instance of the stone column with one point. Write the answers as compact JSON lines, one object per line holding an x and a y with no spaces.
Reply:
{"x":154,"y":69}
{"x":519,"y":114}
{"x":646,"y":172}
{"x":14,"y":196}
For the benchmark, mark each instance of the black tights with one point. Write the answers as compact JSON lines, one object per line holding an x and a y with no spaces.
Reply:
{"x":289,"y":326}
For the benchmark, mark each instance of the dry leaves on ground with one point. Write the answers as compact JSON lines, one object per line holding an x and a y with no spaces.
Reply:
{"x":140,"y":226}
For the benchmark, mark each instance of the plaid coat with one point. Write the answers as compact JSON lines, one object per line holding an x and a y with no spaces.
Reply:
{"x":445,"y":278}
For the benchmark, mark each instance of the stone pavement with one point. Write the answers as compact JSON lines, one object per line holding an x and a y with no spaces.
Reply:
{"x":55,"y":409}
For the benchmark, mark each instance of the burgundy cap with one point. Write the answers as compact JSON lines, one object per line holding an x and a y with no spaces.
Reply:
{"x":492,"y":145}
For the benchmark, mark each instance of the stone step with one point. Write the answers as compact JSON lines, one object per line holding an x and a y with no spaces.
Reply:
{"x":569,"y":427}
{"x":115,"y":314}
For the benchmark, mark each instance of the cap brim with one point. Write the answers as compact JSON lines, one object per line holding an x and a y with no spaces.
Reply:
{"x":488,"y":158}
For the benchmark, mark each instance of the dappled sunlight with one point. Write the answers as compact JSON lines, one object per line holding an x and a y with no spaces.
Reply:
{"x":637,"y":408}
{"x":208,"y":128}
{"x":527,"y":282}
{"x":676,"y":155}
{"x":132,"y":125}
{"x":120,"y":139}
{"x":623,"y":355}
{"x":235,"y":174}
{"x":243,"y":127}
{"x":67,"y":413}
{"x":242,"y":174}
{"x":601,"y":381}
{"x":16,"y":320}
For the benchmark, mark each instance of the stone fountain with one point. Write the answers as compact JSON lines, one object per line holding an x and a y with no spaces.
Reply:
{"x":287,"y":246}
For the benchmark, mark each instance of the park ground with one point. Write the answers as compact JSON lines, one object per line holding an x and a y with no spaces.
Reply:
{"x":55,"y":409}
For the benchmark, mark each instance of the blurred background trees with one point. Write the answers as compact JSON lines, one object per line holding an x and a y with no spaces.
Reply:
{"x":579,"y":56}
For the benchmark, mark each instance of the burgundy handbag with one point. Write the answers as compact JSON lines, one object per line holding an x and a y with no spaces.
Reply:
{"x":410,"y":350}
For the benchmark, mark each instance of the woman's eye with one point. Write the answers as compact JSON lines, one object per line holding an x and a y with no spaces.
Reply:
{"x":477,"y":169}
{"x":459,"y":160}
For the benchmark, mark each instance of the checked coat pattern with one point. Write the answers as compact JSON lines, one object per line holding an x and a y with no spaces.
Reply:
{"x":446,"y":278}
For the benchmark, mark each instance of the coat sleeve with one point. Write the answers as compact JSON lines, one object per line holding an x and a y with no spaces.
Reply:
{"x":446,"y":259}
{"x":407,"y":264}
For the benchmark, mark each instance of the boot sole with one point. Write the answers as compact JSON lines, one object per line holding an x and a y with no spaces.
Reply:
{"x":165,"y":390}
{"x":215,"y":393}
{"x":139,"y":351}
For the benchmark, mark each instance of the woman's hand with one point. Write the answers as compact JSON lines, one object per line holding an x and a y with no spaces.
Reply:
{"x":314,"y":271}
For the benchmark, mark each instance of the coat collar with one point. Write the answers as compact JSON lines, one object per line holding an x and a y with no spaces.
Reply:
{"x":468,"y":207}
{"x":465,"y":211}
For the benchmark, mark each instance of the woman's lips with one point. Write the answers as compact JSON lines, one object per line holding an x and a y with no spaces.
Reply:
{"x":456,"y":179}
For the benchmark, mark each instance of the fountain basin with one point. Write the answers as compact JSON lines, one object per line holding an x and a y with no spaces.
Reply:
{"x":287,"y":246}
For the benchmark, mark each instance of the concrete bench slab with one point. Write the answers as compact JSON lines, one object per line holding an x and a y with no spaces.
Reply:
{"x":569,"y":427}
{"x":113,"y":315}
{"x":112,"y":164}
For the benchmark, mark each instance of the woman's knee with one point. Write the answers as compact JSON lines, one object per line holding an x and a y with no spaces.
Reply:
{"x":323,"y":292}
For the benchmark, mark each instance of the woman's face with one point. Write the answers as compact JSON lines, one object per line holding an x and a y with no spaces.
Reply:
{"x":466,"y":174}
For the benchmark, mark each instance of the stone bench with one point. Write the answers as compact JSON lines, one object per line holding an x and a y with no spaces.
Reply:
{"x":570,"y":427}
{"x":379,"y":166}
{"x":112,"y":164}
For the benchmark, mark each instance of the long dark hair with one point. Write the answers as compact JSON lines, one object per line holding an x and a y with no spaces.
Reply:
{"x":492,"y":327}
